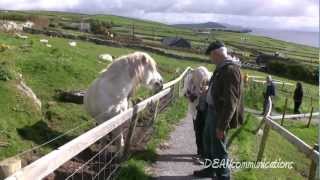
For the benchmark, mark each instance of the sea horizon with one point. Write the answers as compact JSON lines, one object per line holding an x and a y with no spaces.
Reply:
{"x":308,"y":38}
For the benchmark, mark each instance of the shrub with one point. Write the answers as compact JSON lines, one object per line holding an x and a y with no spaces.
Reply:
{"x":99,"y":27}
{"x":294,"y":70}
{"x":5,"y":75}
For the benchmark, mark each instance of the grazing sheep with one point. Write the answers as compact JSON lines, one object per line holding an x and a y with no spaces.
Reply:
{"x":73,"y":44}
{"x":106,"y":57}
{"x":45,"y":41}
{"x":49,"y":45}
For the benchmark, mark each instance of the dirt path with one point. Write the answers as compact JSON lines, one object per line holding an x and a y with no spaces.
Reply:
{"x":175,"y":162}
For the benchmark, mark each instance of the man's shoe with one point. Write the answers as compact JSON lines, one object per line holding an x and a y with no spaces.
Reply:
{"x":198,"y":161}
{"x":204,"y":173}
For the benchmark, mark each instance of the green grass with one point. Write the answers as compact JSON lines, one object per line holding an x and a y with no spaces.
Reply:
{"x":254,"y":98}
{"x":46,"y":70}
{"x":246,"y":145}
{"x":135,"y":168}
{"x":61,"y":67}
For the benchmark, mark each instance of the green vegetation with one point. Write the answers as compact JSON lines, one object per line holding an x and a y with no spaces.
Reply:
{"x":254,"y":98}
{"x":296,"y":71}
{"x":135,"y":167}
{"x":46,"y":70}
{"x":245,"y":147}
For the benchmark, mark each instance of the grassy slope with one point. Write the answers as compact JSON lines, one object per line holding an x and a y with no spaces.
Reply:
{"x":63,"y":67}
{"x":245,"y":148}
{"x":45,"y":70}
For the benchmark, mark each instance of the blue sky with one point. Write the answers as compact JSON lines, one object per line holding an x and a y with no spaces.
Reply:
{"x":274,"y":14}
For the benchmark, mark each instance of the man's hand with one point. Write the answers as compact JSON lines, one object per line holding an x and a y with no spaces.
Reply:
{"x":219,"y":134}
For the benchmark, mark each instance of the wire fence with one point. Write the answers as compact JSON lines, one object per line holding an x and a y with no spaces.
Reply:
{"x":105,"y":161}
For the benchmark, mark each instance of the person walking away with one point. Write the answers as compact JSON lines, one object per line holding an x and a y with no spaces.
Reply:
{"x":270,"y":92}
{"x":225,"y":110}
{"x":297,"y":97}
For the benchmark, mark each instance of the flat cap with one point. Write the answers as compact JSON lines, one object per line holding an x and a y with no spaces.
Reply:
{"x":213,"y":46}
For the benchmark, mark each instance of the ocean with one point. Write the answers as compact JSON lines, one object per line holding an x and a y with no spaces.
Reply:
{"x":299,"y":37}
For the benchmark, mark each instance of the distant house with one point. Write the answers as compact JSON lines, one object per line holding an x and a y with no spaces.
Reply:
{"x":176,"y":42}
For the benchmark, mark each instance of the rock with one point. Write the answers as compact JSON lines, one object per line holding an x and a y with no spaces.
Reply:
{"x":45,"y":41}
{"x":106,"y":57}
{"x":164,"y":146}
{"x":28,"y":91}
{"x":73,"y":96}
{"x":9,"y":166}
{"x":21,"y":36}
{"x":73,"y":44}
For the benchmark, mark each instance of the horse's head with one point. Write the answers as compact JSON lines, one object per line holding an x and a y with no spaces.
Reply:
{"x":148,"y":74}
{"x":195,"y":83}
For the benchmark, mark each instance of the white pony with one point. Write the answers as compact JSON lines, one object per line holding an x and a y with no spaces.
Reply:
{"x":108,"y":95}
{"x":194,"y":83}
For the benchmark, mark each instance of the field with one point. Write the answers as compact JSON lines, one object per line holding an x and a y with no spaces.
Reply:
{"x":62,"y":67}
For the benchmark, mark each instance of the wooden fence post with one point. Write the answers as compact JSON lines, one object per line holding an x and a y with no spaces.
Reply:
{"x":310,"y":118}
{"x":133,"y":32}
{"x":179,"y":89}
{"x":9,"y":166}
{"x":313,"y":167}
{"x":284,"y":111}
{"x":130,"y":134}
{"x":263,"y":142}
{"x":155,"y":112}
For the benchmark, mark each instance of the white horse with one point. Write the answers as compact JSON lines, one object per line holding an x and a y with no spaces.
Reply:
{"x":195,"y":82}
{"x":108,"y":95}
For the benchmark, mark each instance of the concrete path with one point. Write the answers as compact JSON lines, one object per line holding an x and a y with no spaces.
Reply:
{"x":175,"y":162}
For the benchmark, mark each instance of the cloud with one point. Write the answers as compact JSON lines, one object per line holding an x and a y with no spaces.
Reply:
{"x":297,"y":14}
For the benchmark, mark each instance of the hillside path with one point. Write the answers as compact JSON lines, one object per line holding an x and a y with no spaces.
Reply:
{"x":175,"y":162}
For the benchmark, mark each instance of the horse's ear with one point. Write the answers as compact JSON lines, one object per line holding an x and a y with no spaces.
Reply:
{"x":144,"y":59}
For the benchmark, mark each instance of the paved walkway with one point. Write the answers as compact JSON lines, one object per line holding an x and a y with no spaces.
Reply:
{"x":175,"y":162}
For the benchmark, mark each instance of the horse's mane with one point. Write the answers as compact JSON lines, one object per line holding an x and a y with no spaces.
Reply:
{"x":134,"y":62}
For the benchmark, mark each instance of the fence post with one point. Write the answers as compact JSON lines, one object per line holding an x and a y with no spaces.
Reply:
{"x":131,"y":130}
{"x":155,"y":112}
{"x":263,"y":141}
{"x":310,"y":118}
{"x":179,"y":89}
{"x":133,"y":32}
{"x":9,"y":166}
{"x":284,"y":111}
{"x":313,"y":167}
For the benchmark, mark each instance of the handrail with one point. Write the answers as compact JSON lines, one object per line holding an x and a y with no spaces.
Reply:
{"x":52,"y":161}
{"x":303,"y":147}
{"x":169,"y":84}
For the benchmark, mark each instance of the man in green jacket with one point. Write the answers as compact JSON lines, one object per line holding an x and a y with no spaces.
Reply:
{"x":225,"y":110}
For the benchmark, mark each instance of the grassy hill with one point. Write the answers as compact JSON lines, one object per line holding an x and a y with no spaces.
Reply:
{"x":62,"y":67}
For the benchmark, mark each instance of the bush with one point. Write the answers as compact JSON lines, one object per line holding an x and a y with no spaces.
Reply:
{"x":99,"y":27}
{"x":5,"y":75}
{"x":294,"y":70}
